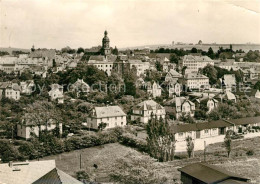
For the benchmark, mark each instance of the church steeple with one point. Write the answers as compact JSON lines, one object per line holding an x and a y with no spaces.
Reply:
{"x":105,"y":45}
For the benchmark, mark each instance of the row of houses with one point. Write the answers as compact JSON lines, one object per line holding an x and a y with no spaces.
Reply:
{"x":214,"y":128}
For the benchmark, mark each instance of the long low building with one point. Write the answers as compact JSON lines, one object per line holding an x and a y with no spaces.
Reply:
{"x":213,"y":128}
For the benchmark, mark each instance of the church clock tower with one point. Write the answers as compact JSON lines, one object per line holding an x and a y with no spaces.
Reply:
{"x":105,"y":45}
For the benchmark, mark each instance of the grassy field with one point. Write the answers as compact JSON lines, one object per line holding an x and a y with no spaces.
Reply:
{"x":105,"y":156}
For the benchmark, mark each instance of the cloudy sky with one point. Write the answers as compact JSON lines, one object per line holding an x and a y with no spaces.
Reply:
{"x":75,"y":23}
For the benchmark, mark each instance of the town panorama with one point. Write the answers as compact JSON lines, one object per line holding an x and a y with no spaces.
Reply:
{"x":176,"y":113}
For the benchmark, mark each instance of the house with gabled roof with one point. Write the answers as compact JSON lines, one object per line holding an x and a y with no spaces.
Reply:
{"x":10,"y":90}
{"x":155,"y":90}
{"x":80,"y":87}
{"x":56,"y":93}
{"x":112,"y":116}
{"x":172,"y":75}
{"x":145,"y":110}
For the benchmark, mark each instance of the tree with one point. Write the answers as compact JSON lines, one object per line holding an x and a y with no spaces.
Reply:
{"x":174,"y":58}
{"x":102,"y":126}
{"x":257,"y":85}
{"x":80,"y":49}
{"x":41,"y":113}
{"x":160,"y":140}
{"x":136,"y":169}
{"x":82,"y":176}
{"x":183,"y":70}
{"x":130,"y":77}
{"x":115,"y":51}
{"x":158,"y":66}
{"x":211,"y":53}
{"x":194,"y":50}
{"x":190,"y":146}
{"x":228,"y":142}
{"x":211,"y":73}
{"x":187,"y":118}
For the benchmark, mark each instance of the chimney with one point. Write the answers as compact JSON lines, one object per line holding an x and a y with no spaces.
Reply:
{"x":11,"y":164}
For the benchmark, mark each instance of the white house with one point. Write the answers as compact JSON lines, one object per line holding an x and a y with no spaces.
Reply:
{"x":80,"y":87}
{"x":194,"y":63}
{"x":10,"y":90}
{"x":228,"y":81}
{"x":145,"y":109}
{"x":27,"y":87}
{"x":26,"y":128}
{"x":175,"y":89}
{"x":196,"y":81}
{"x":56,"y":93}
{"x":155,"y":90}
{"x":184,"y":106}
{"x":112,"y":116}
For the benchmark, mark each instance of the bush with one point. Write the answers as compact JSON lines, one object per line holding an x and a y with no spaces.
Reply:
{"x":250,"y":152}
{"x":134,"y":142}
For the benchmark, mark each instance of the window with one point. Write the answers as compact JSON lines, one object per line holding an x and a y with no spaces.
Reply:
{"x":122,"y":123}
{"x":206,"y":131}
{"x":180,"y":134}
{"x":116,"y":118}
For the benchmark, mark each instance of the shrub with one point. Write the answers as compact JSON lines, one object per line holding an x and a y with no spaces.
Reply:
{"x":250,"y":152}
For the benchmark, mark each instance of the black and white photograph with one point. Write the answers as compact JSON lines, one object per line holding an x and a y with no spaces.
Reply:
{"x":129,"y":91}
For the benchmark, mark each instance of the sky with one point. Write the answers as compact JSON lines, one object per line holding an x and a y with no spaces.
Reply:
{"x":81,"y":23}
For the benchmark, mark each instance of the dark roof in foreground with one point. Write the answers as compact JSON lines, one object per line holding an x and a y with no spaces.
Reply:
{"x":57,"y":176}
{"x":210,"y":174}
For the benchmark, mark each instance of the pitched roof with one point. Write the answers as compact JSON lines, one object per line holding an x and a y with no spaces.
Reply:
{"x":195,"y":76}
{"x":200,"y":126}
{"x":56,"y":176}
{"x":174,"y":73}
{"x":148,"y":105}
{"x":109,"y":111}
{"x":245,"y":121}
{"x":209,"y":173}
{"x":25,"y":172}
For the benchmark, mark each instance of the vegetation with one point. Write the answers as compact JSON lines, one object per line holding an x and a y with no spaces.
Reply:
{"x":228,"y":142}
{"x":190,"y":146}
{"x":160,"y":140}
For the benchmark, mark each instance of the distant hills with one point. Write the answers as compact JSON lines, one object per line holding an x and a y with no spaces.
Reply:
{"x":10,"y":49}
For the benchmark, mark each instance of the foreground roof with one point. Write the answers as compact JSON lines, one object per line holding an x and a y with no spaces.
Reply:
{"x":56,"y":176}
{"x":25,"y":172}
{"x":209,"y":173}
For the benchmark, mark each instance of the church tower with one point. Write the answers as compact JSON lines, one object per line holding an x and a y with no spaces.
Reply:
{"x":105,"y":45}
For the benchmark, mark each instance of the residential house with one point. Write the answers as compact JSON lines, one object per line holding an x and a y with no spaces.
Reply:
{"x":10,"y":90}
{"x":203,"y":173}
{"x":56,"y":93}
{"x":194,"y":63}
{"x":228,"y":81}
{"x":196,"y":81}
{"x":27,"y":87}
{"x":143,"y":111}
{"x":104,"y":63}
{"x":80,"y":87}
{"x":184,"y":106}
{"x":206,"y":101}
{"x":27,"y":127}
{"x":155,"y":90}
{"x":112,"y":116}
{"x":175,"y":89}
{"x":172,"y":75}
{"x":140,"y":66}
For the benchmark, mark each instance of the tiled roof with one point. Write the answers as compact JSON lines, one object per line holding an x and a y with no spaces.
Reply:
{"x":25,"y":172}
{"x":209,"y":173}
{"x":148,"y":105}
{"x":245,"y":121}
{"x":109,"y":111}
{"x":195,"y":76}
{"x":56,"y":176}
